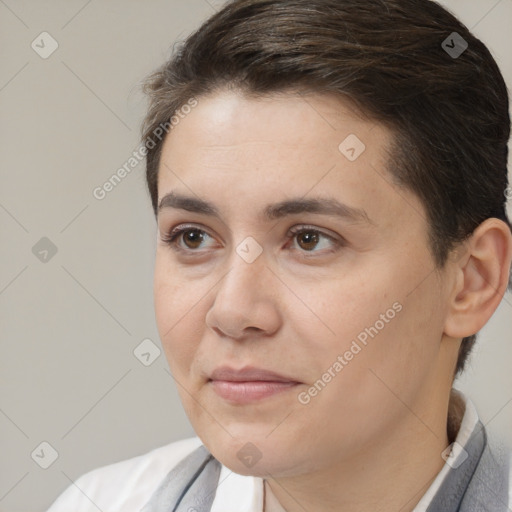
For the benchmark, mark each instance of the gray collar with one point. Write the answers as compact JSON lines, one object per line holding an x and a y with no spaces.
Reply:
{"x":189,"y":487}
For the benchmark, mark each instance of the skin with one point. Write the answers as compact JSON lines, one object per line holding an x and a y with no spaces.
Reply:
{"x":373,"y":437}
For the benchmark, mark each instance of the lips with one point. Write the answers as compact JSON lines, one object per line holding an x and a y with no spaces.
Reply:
{"x":249,"y":373}
{"x":249,"y":384}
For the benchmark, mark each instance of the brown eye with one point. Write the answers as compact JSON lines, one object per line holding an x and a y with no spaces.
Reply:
{"x":308,"y":240}
{"x":187,"y":238}
{"x":192,"y":238}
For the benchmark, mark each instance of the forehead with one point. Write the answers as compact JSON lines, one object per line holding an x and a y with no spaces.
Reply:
{"x":245,"y":151}
{"x":232,"y":118}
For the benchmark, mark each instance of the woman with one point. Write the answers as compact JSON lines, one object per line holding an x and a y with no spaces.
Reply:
{"x":332,"y":235}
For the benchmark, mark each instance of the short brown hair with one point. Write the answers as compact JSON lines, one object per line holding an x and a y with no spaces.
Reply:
{"x":448,"y":113}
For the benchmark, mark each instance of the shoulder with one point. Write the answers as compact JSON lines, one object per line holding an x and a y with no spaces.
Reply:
{"x":125,"y":485}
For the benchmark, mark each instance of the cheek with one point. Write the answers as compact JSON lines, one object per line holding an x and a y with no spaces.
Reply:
{"x":177,"y":306}
{"x":174,"y":295}
{"x":342,"y":311}
{"x":358,"y":388}
{"x":165,"y":296}
{"x":373,"y":322}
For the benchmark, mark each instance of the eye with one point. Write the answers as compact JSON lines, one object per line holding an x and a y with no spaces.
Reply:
{"x":186,"y":238}
{"x":306,"y":239}
{"x":309,"y":239}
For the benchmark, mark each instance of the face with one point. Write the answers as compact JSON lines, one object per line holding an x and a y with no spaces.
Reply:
{"x":295,"y":292}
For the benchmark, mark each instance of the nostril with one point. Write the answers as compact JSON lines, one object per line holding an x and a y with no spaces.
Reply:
{"x":253,"y":329}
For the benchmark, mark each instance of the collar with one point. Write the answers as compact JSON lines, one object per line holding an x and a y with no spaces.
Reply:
{"x":462,"y":420}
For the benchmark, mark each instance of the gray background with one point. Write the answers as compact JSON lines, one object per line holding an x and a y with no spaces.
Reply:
{"x":70,"y":324}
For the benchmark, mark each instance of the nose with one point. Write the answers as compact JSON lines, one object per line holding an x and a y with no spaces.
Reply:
{"x":246,"y":303}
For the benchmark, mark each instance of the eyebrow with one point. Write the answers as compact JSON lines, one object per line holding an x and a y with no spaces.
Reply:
{"x":321,"y":206}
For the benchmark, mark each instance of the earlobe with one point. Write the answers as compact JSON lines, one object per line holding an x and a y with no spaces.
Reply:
{"x":482,"y":278}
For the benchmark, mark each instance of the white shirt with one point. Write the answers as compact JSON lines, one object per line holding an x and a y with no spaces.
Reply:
{"x":128,"y":485}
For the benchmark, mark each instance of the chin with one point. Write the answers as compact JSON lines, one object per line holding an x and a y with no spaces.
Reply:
{"x":252,"y":454}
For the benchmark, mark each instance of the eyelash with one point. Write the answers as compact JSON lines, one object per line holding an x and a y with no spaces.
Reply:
{"x":171,"y":239}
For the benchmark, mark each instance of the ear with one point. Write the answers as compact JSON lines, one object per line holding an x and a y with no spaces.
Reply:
{"x":482,"y":276}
